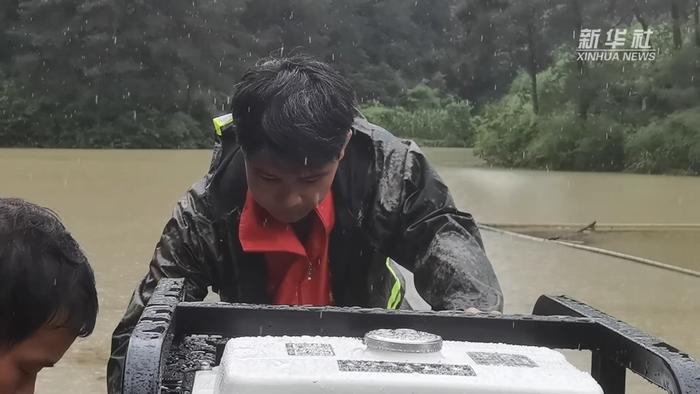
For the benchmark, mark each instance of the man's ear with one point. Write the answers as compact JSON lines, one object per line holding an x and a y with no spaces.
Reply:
{"x":345,"y":145}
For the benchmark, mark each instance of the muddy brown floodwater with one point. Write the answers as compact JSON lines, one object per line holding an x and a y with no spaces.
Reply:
{"x":116,"y":203}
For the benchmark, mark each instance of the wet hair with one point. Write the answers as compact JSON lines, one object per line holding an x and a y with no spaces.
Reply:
{"x":45,"y":278}
{"x":298,"y":108}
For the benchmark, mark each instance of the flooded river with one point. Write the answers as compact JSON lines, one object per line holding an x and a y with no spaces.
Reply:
{"x":116,"y":203}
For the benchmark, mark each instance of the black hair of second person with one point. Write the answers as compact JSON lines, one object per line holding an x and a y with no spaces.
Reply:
{"x":45,"y":279}
{"x":297,"y":107}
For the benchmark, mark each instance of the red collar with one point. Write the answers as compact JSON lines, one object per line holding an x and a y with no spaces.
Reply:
{"x":260,"y":232}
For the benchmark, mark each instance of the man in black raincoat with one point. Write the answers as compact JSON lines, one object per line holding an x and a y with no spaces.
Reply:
{"x":306,"y":202}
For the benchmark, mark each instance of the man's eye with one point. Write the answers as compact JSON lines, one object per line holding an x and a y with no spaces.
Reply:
{"x":268,"y":179}
{"x":311,"y":180}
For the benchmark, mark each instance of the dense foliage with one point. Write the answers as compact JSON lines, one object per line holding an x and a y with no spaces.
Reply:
{"x":500,"y":75}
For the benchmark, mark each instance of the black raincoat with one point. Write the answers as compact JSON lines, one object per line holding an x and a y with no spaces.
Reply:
{"x":389,"y":202}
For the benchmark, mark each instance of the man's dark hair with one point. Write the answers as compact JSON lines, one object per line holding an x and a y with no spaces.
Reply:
{"x":299,"y":108}
{"x":45,"y":278}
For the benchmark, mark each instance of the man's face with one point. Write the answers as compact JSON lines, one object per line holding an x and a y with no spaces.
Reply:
{"x":287,"y":193}
{"x":20,"y":363}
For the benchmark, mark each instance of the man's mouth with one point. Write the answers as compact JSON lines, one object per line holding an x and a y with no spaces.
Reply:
{"x":288,"y":218}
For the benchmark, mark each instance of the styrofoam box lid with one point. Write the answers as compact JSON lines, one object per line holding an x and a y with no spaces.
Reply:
{"x":340,"y":365}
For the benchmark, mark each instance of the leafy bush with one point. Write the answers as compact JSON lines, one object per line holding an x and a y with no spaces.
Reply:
{"x":504,"y":130}
{"x":668,"y":145}
{"x":38,"y":122}
{"x":426,"y":116}
{"x":510,"y":134}
{"x":566,"y":142}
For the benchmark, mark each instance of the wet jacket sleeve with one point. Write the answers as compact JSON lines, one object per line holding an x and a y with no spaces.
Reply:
{"x":179,"y":253}
{"x":439,"y":244}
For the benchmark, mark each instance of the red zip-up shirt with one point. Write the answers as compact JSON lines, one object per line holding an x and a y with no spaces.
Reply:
{"x":297,"y":273}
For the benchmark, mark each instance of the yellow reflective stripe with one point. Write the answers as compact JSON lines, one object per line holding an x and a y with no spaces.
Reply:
{"x":395,"y":296}
{"x":221,"y":122}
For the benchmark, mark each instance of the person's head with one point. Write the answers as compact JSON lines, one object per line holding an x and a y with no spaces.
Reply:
{"x":293,"y":120}
{"x":47,"y":293}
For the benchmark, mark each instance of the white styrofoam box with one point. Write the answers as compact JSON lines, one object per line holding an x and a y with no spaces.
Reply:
{"x":339,"y":365}
{"x":205,"y":381}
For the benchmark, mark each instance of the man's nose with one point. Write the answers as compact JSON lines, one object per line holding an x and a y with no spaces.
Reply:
{"x":290,"y":199}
